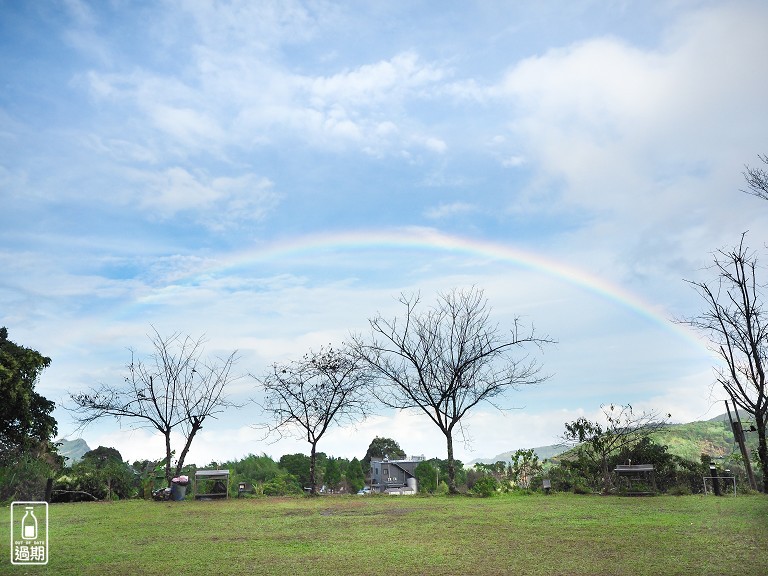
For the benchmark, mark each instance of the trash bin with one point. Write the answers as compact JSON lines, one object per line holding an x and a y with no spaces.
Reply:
{"x":178,"y":491}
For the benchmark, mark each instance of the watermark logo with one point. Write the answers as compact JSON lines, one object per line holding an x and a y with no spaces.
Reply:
{"x":29,"y":533}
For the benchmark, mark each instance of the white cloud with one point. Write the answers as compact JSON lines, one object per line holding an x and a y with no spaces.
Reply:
{"x":604,"y":114}
{"x":513,"y":161}
{"x":373,"y":84}
{"x":217,"y":203}
{"x":233,"y":98}
{"x":450,"y":210}
{"x":647,"y":143}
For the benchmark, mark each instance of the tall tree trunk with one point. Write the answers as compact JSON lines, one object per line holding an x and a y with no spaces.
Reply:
{"x":606,"y":475}
{"x":762,"y":448}
{"x":180,"y":464}
{"x":312,"y":460}
{"x":451,"y":465}
{"x":168,"y":454}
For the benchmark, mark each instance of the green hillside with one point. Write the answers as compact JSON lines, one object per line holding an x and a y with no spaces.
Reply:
{"x":712,"y":437}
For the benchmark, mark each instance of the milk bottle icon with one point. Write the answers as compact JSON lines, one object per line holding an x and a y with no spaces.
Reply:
{"x":29,"y":524}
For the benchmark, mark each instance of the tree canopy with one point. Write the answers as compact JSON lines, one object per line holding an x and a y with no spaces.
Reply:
{"x":621,"y":429}
{"x":381,"y":447}
{"x":25,"y":415}
{"x":355,"y":475}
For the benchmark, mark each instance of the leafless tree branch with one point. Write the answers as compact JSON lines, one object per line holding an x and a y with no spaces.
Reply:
{"x":445,"y":360}
{"x":757,"y":179}
{"x":734,"y":320}
{"x":306,"y":397}
{"x":173,"y":389}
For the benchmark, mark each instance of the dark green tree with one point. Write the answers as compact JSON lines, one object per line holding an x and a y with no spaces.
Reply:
{"x":297,"y":465}
{"x":525,"y":465}
{"x":485,"y":486}
{"x":332,"y":476}
{"x":381,"y":447}
{"x":27,"y":454}
{"x":25,"y":415}
{"x":253,"y":469}
{"x":355,"y":475}
{"x":426,"y":476}
{"x":442,"y":468}
{"x":622,"y":428}
{"x":103,"y":473}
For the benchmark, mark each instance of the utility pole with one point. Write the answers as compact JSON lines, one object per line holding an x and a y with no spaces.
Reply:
{"x":738,"y":433}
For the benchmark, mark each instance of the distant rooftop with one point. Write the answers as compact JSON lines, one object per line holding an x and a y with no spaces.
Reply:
{"x":411,"y":459}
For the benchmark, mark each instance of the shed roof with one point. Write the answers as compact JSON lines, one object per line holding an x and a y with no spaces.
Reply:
{"x":634,"y":468}
{"x":211,"y":473}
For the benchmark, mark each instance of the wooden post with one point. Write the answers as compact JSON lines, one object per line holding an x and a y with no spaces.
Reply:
{"x":738,"y":433}
{"x":715,"y":479}
{"x":48,"y":490}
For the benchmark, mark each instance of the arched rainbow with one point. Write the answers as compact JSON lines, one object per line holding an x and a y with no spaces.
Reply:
{"x":424,"y":239}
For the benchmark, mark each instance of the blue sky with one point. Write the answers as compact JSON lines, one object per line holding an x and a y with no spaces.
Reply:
{"x":272,"y":174}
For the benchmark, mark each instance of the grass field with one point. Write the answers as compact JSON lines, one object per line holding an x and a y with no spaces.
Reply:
{"x":557,"y":534}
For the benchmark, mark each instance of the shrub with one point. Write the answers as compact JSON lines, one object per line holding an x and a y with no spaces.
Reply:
{"x":580,"y":488}
{"x":485,"y":486}
{"x":24,"y":480}
{"x":282,"y":485}
{"x":679,"y":490}
{"x":442,"y":488}
{"x":569,"y":473}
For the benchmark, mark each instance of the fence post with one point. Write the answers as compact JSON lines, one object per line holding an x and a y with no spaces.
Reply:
{"x":715,"y":479}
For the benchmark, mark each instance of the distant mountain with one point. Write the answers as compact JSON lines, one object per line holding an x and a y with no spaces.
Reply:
{"x":724,"y":417}
{"x":543,"y":452}
{"x":72,"y":450}
{"x":712,"y":437}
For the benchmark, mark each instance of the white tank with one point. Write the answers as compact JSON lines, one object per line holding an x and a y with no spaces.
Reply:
{"x":412,"y":484}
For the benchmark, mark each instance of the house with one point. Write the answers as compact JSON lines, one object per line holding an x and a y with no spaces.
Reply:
{"x":394,"y":476}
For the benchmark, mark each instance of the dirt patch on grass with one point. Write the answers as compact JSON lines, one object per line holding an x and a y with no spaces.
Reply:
{"x":298,"y":512}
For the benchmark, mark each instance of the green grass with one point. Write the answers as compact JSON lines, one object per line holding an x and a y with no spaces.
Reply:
{"x":557,"y":534}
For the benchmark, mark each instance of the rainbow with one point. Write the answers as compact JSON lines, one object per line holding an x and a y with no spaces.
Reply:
{"x":430,"y":240}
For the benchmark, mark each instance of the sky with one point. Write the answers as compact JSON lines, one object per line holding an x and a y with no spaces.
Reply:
{"x":270,"y":175}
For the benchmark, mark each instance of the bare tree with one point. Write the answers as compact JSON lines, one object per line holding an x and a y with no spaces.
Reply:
{"x":175,"y":389}
{"x":757,"y":179}
{"x":622,"y":428}
{"x":306,"y":397}
{"x":735,"y":323}
{"x":446,"y":360}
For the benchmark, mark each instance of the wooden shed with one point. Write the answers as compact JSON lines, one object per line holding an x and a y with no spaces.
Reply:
{"x":638,"y":479}
{"x":211,"y":484}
